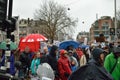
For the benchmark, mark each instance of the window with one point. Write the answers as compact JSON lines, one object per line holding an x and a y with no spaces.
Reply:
{"x":105,"y":24}
{"x":96,"y":33}
{"x":25,"y":22}
{"x":105,"y":27}
{"x":19,"y":22}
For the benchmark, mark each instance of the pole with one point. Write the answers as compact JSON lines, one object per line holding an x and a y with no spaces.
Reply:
{"x":7,"y":54}
{"x":18,"y":30}
{"x":8,"y":41}
{"x":97,"y":16}
{"x":115,"y":23}
{"x":10,"y":9}
{"x":9,"y":17}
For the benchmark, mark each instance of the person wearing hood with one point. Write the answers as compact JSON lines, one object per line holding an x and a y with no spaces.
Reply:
{"x":64,"y":65}
{"x":111,"y":46}
{"x":94,"y":69}
{"x":112,"y":63}
{"x":98,"y":56}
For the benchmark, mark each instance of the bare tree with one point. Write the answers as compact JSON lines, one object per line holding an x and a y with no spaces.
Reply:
{"x":118,"y":14}
{"x":55,"y":17}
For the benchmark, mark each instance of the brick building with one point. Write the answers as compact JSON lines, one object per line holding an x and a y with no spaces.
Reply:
{"x":102,"y":26}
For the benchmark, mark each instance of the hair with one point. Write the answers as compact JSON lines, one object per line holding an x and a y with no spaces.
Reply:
{"x":119,"y":45}
{"x":86,"y":55}
{"x":35,"y":54}
{"x":53,"y":49}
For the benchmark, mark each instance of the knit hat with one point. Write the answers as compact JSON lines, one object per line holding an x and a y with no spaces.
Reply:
{"x":96,"y":53}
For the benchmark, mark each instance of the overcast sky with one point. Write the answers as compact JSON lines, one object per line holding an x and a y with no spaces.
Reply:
{"x":84,"y":10}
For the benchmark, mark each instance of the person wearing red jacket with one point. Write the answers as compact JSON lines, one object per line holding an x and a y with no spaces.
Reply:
{"x":64,"y":65}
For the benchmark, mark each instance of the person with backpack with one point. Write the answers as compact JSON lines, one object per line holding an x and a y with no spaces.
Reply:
{"x":112,"y":63}
{"x":94,"y":69}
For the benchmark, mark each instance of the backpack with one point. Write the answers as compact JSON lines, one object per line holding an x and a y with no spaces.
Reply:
{"x":79,"y":74}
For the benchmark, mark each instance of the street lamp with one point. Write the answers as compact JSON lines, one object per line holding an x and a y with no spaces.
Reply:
{"x":115,"y":23}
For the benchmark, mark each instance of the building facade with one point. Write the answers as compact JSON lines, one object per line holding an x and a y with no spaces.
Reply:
{"x":27,"y":26}
{"x":23,"y":27}
{"x":102,"y":26}
{"x":82,"y":36}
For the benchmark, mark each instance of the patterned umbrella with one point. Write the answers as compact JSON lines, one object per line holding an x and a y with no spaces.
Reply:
{"x":34,"y":38}
{"x":32,"y":41}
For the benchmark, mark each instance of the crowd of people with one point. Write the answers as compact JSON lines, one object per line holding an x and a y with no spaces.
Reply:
{"x":89,"y":63}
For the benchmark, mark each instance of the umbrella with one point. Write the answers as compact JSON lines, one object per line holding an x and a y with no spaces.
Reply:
{"x":45,"y":72}
{"x":3,"y":45}
{"x":34,"y":38}
{"x":65,"y":44}
{"x":84,"y":46}
{"x":32,"y":41}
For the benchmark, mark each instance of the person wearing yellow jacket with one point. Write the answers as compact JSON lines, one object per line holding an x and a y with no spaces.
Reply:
{"x":112,"y":63}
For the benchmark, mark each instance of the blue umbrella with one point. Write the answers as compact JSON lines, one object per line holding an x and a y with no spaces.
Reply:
{"x":84,"y":46}
{"x":65,"y":44}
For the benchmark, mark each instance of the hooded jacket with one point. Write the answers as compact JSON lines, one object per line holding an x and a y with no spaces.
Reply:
{"x":93,"y":70}
{"x":96,"y":53}
{"x":64,"y":66}
{"x":52,"y":60}
{"x":109,"y":63}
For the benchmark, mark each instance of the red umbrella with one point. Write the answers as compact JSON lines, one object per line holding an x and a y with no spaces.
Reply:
{"x":32,"y":41}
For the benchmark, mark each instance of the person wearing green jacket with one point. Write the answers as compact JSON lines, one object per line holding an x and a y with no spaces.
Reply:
{"x":35,"y":63}
{"x":112,"y":63}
